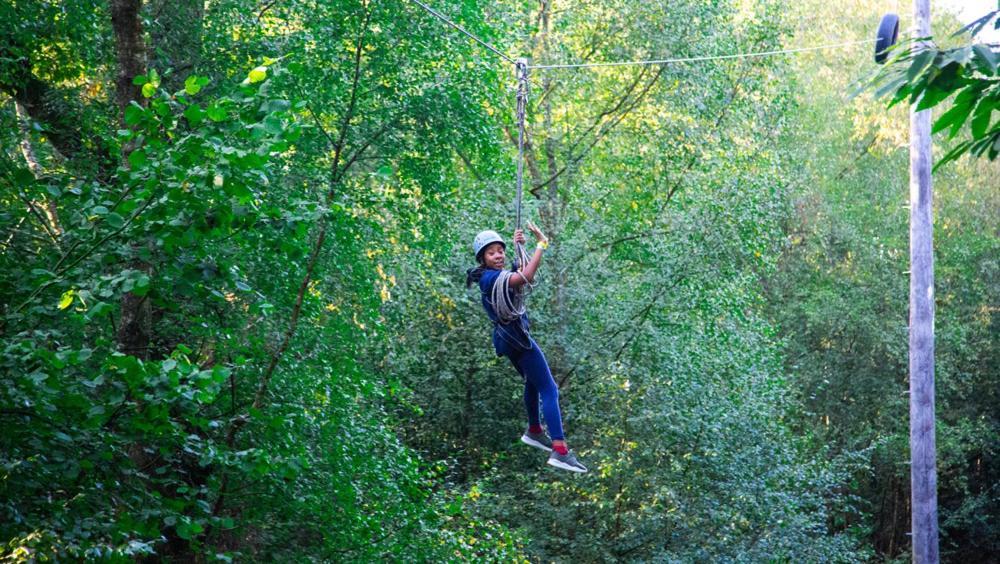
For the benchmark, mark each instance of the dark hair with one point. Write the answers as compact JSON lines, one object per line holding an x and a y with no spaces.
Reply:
{"x":473,"y":275}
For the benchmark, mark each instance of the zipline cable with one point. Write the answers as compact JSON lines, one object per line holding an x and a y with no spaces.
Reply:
{"x":434,"y":13}
{"x":503,"y":56}
{"x":704,"y":58}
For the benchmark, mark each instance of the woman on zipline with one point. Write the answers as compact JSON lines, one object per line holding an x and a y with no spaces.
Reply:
{"x":503,"y":301}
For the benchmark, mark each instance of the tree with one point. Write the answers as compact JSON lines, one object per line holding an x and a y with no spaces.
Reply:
{"x":213,"y":435}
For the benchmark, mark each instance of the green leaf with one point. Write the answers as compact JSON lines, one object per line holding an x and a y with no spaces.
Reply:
{"x":953,"y":118}
{"x":932,"y":96}
{"x":140,"y":79}
{"x":194,"y":115}
{"x":273,"y":125}
{"x":154,"y":78}
{"x":981,"y":119}
{"x":258,"y":74}
{"x":192,"y":85}
{"x":961,"y":55}
{"x":977,"y":25}
{"x":141,"y":287}
{"x":148,"y":90}
{"x":133,"y":114}
{"x":137,"y":158}
{"x":271,"y":106}
{"x":980,"y":146}
{"x":98,"y":309}
{"x":955,"y":153}
{"x":216,"y":112}
{"x":67,"y":299}
{"x":24,"y":177}
{"x":920,"y":63}
{"x":984,"y":60}
{"x":114,"y":220}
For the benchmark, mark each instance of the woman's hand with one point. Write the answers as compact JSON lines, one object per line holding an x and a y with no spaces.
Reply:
{"x":519,"y":236}
{"x":537,"y":232}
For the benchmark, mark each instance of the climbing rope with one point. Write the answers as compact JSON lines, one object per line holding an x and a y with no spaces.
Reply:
{"x":509,"y":305}
{"x":521,"y":67}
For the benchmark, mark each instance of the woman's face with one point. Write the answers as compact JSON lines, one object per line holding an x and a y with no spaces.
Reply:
{"x":493,"y":256}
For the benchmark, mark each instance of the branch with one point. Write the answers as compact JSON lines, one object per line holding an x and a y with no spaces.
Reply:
{"x":468,"y":163}
{"x":38,"y":215}
{"x":67,"y":268}
{"x":349,"y":114}
{"x":263,"y":10}
{"x":688,"y":166}
{"x":625,"y":239}
{"x":36,"y":97}
{"x":864,"y":151}
{"x":605,"y":128}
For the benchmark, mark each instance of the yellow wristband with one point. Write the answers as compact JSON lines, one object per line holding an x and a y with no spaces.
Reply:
{"x":542,"y":245}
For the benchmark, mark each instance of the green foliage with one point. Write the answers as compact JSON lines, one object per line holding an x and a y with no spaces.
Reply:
{"x":185,"y":451}
{"x":290,"y":197}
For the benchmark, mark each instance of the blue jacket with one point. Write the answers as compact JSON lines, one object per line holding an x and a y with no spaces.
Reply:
{"x":508,"y":338}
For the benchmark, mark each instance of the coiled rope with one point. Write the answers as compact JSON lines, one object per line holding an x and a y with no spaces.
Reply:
{"x":507,"y":302}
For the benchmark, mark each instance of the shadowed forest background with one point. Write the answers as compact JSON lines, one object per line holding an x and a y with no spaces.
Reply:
{"x":235,"y":326}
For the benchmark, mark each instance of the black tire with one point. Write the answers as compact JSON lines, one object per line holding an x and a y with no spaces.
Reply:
{"x":888,"y":33}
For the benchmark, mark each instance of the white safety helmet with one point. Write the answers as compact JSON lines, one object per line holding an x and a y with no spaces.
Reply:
{"x":484,"y":239}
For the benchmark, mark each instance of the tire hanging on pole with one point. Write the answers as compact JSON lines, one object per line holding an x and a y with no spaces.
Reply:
{"x":888,"y":33}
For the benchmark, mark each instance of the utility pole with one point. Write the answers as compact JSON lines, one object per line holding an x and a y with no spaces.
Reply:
{"x":923,"y":470}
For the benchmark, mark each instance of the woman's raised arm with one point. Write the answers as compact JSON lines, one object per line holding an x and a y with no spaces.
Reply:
{"x":527,"y":273}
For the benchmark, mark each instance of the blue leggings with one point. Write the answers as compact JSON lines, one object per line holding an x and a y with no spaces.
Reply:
{"x":539,"y":385}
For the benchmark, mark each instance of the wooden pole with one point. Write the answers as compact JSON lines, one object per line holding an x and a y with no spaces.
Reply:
{"x":923,"y":471}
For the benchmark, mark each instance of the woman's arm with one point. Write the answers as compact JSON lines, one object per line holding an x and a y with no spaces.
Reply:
{"x":527,"y":273}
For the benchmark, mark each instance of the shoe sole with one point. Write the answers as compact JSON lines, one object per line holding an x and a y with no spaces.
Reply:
{"x":532,"y":442}
{"x":564,"y":466}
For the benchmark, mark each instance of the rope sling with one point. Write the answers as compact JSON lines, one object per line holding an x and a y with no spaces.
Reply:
{"x":508,"y":302}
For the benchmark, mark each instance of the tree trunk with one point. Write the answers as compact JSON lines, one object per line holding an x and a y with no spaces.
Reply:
{"x":135,"y":329}
{"x":130,"y":51}
{"x":923,"y":449}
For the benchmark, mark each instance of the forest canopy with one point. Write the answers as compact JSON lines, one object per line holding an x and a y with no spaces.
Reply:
{"x":234,"y":239}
